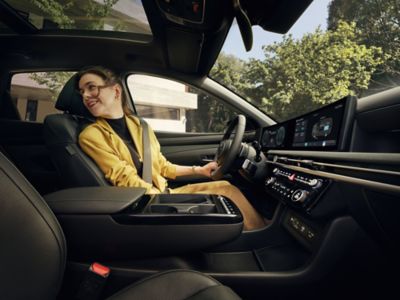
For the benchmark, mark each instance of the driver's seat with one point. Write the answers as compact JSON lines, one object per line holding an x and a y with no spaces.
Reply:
{"x":33,"y":253}
{"x":61,"y":133}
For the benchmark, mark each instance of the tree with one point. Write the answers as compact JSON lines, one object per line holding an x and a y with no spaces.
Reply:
{"x":59,"y":14}
{"x":53,"y":80}
{"x":227,"y":70}
{"x":378,"y":24}
{"x":297,"y":76}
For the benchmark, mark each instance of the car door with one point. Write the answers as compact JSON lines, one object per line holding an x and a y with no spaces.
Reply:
{"x":188,"y":122}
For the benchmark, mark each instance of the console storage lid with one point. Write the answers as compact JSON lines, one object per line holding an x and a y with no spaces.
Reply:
{"x":93,"y":200}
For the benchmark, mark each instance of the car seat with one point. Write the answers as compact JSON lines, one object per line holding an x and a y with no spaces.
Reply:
{"x":61,"y":133}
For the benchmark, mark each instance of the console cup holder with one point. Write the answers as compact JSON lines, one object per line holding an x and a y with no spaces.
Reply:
{"x":163,"y":209}
{"x":202,"y":209}
{"x":183,"y":208}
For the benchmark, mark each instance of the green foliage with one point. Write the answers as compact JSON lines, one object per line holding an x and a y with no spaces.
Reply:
{"x":378,"y":24}
{"x":211,"y":116}
{"x":53,"y":80}
{"x":228,"y":69}
{"x":297,"y":76}
{"x":59,"y":13}
{"x":56,"y":11}
{"x":96,"y":13}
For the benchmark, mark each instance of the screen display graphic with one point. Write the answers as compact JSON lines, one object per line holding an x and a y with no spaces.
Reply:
{"x":319,"y":129}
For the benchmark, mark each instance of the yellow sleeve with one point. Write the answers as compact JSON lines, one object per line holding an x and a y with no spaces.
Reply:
{"x":167,"y":169}
{"x":118,"y":171}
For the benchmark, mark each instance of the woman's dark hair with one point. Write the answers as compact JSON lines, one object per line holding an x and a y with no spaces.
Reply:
{"x":110,"y":78}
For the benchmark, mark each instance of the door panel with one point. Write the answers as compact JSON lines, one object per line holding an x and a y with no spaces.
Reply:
{"x":192,"y":149}
{"x":188,"y":150}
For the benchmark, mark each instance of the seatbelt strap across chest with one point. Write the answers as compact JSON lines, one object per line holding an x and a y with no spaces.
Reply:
{"x":146,"y":173}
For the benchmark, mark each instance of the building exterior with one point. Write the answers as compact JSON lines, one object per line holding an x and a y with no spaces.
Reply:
{"x":163,"y":103}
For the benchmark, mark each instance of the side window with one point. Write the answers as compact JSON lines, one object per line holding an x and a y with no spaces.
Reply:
{"x":171,"y":106}
{"x":34,"y":94}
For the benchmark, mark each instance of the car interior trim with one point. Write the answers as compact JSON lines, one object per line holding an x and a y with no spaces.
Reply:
{"x":356,"y":157}
{"x":321,"y":164}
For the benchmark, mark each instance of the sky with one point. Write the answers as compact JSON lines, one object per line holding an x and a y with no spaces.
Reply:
{"x":315,"y":15}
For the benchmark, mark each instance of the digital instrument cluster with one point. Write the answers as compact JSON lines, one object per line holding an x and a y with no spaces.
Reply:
{"x":325,"y":128}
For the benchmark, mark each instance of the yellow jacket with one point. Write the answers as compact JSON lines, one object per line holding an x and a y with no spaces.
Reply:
{"x":111,"y":154}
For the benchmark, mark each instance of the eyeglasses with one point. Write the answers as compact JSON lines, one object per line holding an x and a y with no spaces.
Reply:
{"x":92,"y":89}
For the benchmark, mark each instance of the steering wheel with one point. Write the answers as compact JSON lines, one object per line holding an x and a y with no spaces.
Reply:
{"x":228,"y":149}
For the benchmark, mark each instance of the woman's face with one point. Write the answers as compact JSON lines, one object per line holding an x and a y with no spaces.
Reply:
{"x":100,"y":99}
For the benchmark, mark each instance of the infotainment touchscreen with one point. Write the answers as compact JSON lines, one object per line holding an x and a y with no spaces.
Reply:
{"x":327,"y":128}
{"x":320,"y":128}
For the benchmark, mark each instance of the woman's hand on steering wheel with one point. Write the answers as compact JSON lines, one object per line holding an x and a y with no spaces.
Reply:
{"x":207,"y":169}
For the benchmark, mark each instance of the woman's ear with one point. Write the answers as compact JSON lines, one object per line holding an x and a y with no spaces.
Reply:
{"x":118,"y":91}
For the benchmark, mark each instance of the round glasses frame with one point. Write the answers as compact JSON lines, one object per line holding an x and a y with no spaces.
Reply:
{"x":93,"y":90}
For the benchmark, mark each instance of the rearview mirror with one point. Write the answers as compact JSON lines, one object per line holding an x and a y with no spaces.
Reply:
{"x":244,"y":25}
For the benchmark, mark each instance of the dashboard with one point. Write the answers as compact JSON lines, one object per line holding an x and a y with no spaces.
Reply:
{"x":324,"y":129}
{"x":294,"y":180}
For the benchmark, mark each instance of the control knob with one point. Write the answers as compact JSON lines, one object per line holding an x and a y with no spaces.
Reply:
{"x":299,"y":196}
{"x":315,"y":183}
{"x":270,"y":181}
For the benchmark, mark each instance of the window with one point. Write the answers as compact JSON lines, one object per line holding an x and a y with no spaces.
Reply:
{"x":34,"y":94}
{"x":95,"y":15}
{"x":171,"y":106}
{"x":153,"y":112}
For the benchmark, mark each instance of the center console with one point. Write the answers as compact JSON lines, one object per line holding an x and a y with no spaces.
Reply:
{"x":113,"y":223}
{"x":296,"y":189}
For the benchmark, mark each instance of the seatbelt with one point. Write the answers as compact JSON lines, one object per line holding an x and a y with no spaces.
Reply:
{"x":146,"y":173}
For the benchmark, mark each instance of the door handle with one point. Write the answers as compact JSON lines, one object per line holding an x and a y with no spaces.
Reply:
{"x":207,"y":158}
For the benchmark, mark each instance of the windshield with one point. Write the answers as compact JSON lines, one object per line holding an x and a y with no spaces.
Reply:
{"x":336,"y":48}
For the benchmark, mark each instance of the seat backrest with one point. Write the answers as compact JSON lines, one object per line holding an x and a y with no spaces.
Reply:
{"x":33,"y":250}
{"x":61,"y":133}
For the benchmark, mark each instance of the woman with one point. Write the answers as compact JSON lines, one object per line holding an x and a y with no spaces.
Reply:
{"x":114,"y":142}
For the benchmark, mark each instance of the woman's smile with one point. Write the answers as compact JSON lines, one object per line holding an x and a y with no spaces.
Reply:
{"x":90,"y":103}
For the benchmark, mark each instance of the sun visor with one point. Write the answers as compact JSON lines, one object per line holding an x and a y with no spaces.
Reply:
{"x":276,"y":15}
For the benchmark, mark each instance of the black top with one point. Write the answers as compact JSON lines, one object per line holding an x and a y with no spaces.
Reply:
{"x":120,"y":127}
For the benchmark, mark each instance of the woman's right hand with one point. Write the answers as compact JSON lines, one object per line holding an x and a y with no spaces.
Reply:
{"x":207,"y":169}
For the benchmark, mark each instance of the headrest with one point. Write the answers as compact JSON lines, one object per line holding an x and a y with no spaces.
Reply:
{"x":69,"y":100}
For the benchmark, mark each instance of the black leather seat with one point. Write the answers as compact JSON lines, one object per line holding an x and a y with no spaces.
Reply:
{"x":33,"y":253}
{"x":61,"y":132}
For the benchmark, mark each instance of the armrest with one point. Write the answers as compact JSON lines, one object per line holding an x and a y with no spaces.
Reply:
{"x":107,"y":223}
{"x":93,"y":200}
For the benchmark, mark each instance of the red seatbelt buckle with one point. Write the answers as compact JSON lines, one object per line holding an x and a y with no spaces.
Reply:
{"x":99,"y":269}
{"x":93,"y":283}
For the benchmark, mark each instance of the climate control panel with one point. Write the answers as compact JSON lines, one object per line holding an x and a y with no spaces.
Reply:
{"x":297,"y":189}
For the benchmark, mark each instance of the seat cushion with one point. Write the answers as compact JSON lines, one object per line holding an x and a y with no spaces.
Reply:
{"x":177,"y":285}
